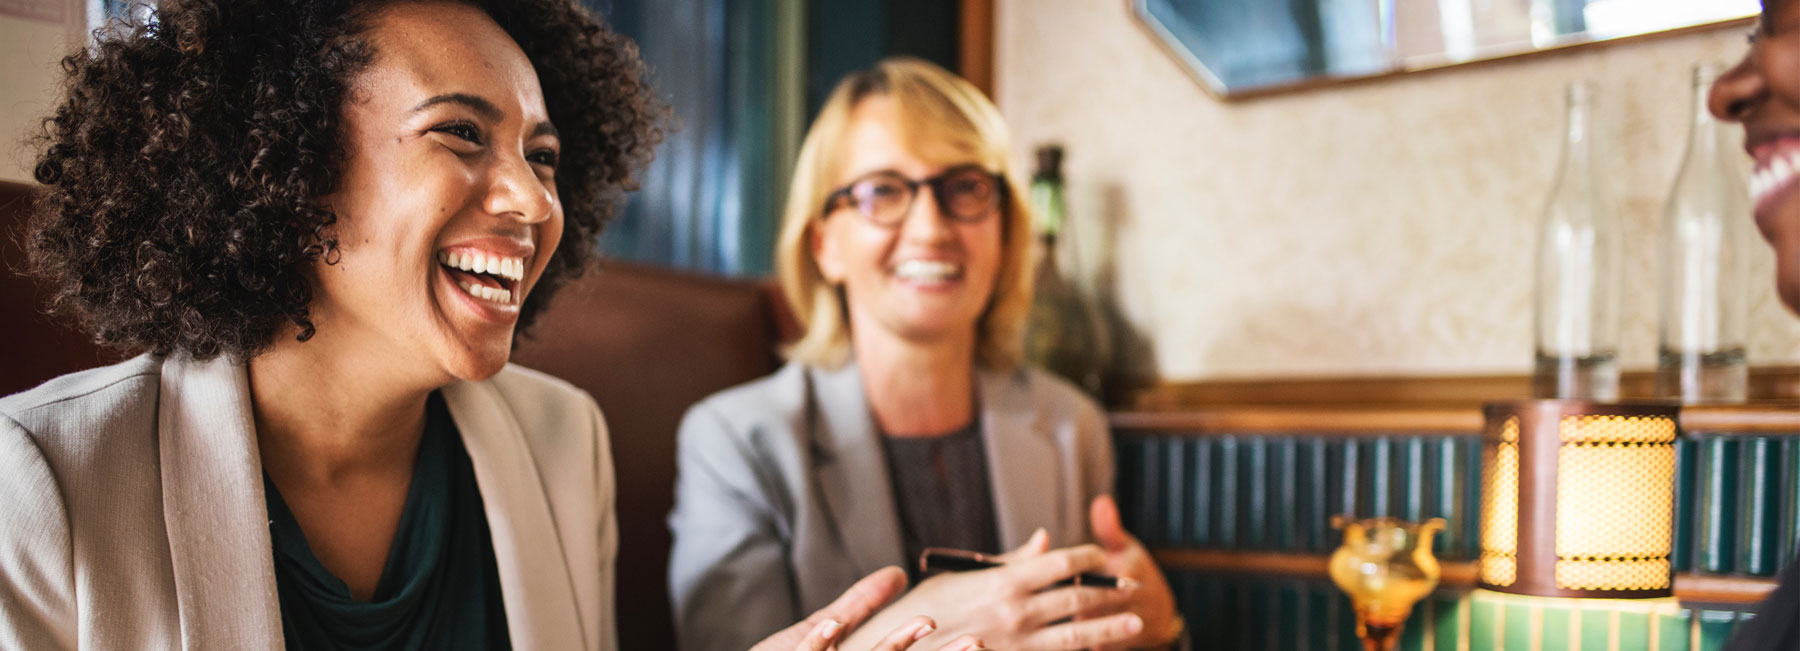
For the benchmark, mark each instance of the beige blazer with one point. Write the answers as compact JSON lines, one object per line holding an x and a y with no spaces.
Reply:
{"x":133,"y":516}
{"x":782,"y":495}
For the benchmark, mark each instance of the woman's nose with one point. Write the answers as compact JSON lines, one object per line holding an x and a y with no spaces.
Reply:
{"x":517,"y":192}
{"x":1738,"y":91}
{"x":924,"y":219}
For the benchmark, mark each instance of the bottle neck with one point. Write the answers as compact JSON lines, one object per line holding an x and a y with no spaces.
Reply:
{"x":1706,"y":135}
{"x":1578,"y":141}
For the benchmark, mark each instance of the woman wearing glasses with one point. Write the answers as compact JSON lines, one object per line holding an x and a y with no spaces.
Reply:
{"x":905,"y":418}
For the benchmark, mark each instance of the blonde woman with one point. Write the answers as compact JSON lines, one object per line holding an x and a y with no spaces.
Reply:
{"x":905,"y":418}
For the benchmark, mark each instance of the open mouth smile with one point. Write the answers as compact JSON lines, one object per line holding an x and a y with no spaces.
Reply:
{"x":928,"y":272}
{"x":487,"y":277}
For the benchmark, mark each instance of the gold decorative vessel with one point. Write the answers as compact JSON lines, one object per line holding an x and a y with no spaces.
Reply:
{"x":1386,"y":566}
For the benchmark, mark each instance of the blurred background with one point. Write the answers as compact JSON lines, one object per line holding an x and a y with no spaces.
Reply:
{"x":1309,"y":226}
{"x":1378,"y":227}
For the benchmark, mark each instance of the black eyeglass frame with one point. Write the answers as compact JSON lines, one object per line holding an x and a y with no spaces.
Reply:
{"x":938,"y":191}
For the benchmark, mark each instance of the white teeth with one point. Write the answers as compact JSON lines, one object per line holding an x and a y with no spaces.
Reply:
{"x":486,"y":293}
{"x":927,"y":270}
{"x":483,"y":263}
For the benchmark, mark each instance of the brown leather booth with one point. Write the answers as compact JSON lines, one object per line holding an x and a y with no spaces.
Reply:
{"x":646,"y":342}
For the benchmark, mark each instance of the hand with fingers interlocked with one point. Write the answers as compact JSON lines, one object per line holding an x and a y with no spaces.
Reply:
{"x":1019,"y":604}
{"x":1152,"y":601}
{"x":821,"y":631}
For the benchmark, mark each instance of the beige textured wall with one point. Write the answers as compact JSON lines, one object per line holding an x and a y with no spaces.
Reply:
{"x":30,"y":47}
{"x":1378,"y":228}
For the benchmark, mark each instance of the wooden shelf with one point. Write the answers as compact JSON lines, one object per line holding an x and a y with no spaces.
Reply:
{"x":1696,"y":588}
{"x":1751,"y":418}
{"x":1766,"y":383}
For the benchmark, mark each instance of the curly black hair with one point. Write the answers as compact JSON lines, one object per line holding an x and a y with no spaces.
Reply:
{"x":183,"y":169}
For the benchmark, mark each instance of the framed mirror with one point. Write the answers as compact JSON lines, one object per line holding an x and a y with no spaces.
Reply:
{"x":1244,"y":48}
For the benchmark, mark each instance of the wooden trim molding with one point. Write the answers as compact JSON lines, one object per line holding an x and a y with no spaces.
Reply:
{"x":1387,"y":420}
{"x":1695,"y":588}
{"x":975,"y":44}
{"x":1767,"y":383}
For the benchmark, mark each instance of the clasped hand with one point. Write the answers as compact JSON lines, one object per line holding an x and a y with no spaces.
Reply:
{"x":1019,"y":606}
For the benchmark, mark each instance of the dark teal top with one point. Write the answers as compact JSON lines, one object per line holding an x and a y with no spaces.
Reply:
{"x":942,"y":494}
{"x":440,"y":588}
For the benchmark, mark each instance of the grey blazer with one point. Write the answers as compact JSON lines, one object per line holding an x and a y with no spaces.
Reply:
{"x":132,"y":513}
{"x":782,"y":495}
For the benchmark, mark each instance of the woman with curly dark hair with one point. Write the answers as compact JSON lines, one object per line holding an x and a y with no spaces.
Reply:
{"x":321,"y":224}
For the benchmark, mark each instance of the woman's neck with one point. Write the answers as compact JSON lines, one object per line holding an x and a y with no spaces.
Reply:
{"x":918,"y":388}
{"x":325,"y":414}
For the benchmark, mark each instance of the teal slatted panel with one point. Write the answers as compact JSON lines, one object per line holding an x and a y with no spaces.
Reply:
{"x":1176,"y":475}
{"x":1685,"y":463}
{"x":1149,"y":489}
{"x":1200,"y":530}
{"x":1345,"y":476}
{"x":1790,"y":498}
{"x":1716,"y":504}
{"x":1469,"y":448}
{"x":1253,"y":493}
{"x":1225,"y":493}
{"x":1377,"y":497}
{"x":1321,"y":629}
{"x":1283,"y":495}
{"x":1409,"y":478}
{"x":1314,"y":512}
{"x":1759,"y":473}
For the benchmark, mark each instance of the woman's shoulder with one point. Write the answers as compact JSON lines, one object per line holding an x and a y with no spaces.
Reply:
{"x":538,"y":401}
{"x":1050,"y":393}
{"x":88,"y":404}
{"x":518,"y":384}
{"x":777,"y":394}
{"x":774,"y":402}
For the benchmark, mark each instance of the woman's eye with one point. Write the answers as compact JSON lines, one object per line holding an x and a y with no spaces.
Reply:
{"x":461,"y":130}
{"x":544,"y":157}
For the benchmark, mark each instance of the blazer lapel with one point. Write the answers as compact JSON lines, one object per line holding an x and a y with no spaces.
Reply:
{"x":1022,"y":460}
{"x":213,"y":507}
{"x":852,"y":469}
{"x":541,"y":610}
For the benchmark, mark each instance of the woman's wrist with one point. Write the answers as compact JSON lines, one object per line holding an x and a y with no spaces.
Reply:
{"x":1174,"y":635}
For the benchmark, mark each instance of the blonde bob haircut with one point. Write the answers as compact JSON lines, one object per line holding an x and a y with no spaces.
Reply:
{"x":936,"y":107}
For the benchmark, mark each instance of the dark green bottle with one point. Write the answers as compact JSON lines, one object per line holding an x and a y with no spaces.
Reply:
{"x":1061,"y":335}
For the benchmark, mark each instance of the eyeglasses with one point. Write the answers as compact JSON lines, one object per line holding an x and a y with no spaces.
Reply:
{"x":966,"y":193}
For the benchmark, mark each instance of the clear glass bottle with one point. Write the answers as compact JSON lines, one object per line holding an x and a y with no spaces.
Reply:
{"x":1061,"y":334}
{"x":1704,"y":264}
{"x":1577,"y":287}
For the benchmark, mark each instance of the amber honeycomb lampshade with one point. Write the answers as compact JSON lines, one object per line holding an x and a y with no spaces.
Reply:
{"x":1578,"y":499}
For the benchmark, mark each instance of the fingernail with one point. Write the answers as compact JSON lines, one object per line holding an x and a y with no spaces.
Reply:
{"x":1134,"y":625}
{"x":923,"y":631}
{"x":1126,"y":583}
{"x":830,"y":629}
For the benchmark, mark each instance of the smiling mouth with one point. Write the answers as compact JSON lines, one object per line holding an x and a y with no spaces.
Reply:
{"x":1777,"y":167}
{"x":928,"y":272}
{"x":489,"y":277}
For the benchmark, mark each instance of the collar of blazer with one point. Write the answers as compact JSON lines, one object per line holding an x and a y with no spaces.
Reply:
{"x":217,"y":518}
{"x":1023,"y":465}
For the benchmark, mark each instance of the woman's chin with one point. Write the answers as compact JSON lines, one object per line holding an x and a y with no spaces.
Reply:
{"x":479,"y":362}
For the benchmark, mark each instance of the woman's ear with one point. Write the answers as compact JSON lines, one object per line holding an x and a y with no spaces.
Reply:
{"x":827,"y":253}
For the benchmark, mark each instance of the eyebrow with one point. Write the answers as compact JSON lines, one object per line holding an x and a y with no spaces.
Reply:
{"x":476,"y":103}
{"x":483,"y":107}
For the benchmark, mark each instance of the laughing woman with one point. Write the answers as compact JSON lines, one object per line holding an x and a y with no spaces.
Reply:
{"x":905,"y":418}
{"x":1763,"y":94}
{"x":322,"y":224}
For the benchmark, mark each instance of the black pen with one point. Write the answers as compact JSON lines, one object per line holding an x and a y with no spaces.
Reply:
{"x":943,"y":559}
